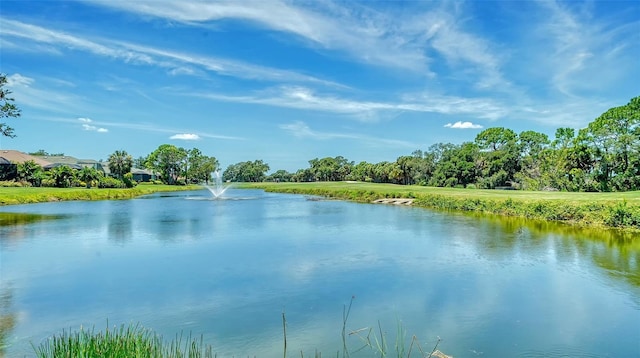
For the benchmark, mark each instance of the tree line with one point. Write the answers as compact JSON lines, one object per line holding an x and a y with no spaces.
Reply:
{"x":604,"y":156}
{"x":171,"y":164}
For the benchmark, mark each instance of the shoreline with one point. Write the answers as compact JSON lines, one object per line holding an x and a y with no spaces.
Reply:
{"x":611,"y":211}
{"x":614,"y":211}
{"x":33,"y":195}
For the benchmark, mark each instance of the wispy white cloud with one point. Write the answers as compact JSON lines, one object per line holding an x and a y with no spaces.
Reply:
{"x":583,"y":54}
{"x":18,"y":80}
{"x":365,"y":34}
{"x":463,"y":125}
{"x":403,"y":39}
{"x":149,"y":127}
{"x":184,"y":70}
{"x":39,"y":34}
{"x":136,"y":54}
{"x":573,"y":112}
{"x":306,"y":99}
{"x":224,"y":67}
{"x":464,"y":51}
{"x":301,"y":130}
{"x":185,"y":136}
{"x":28,"y":92}
{"x":18,"y":46}
{"x":143,"y":127}
{"x":580,"y":57}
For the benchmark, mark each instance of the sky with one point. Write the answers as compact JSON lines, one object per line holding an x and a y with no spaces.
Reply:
{"x":289,"y":81}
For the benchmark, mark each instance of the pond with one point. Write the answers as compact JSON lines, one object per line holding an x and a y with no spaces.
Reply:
{"x":228,"y":269}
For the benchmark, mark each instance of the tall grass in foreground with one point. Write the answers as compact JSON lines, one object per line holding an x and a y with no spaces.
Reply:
{"x":121,"y":342}
{"x":136,"y":341}
{"x":377,"y":343}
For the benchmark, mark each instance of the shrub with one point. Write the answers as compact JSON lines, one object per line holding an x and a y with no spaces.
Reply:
{"x":10,"y":183}
{"x":623,"y":215}
{"x":450,"y":182}
{"x":128,"y":180}
{"x":77,"y":183}
{"x":48,"y":183}
{"x":110,"y":183}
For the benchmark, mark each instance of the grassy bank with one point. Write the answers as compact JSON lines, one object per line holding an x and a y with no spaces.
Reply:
{"x":609,"y":210}
{"x":29,"y":195}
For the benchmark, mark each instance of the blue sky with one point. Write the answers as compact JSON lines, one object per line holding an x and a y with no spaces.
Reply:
{"x":286,"y":82}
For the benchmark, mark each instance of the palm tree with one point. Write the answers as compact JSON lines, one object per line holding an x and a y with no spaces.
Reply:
{"x":120,"y":163}
{"x":88,"y":175}
{"x":29,"y":171}
{"x":62,"y":175}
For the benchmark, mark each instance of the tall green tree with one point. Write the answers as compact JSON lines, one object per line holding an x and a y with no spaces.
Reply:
{"x":249,"y":171}
{"x":362,"y":171}
{"x":458,"y":165}
{"x":330,"y":169}
{"x":120,"y":163}
{"x":7,"y":108}
{"x":423,"y":166}
{"x":499,"y":157}
{"x":532,"y":147}
{"x":140,"y":162}
{"x":556,"y":162}
{"x":303,"y":175}
{"x":615,"y":137}
{"x":200,"y":166}
{"x":495,"y":138}
{"x":281,"y":176}
{"x":405,"y":167}
{"x":168,"y":161}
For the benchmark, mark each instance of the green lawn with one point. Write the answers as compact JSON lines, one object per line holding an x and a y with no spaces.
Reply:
{"x":28,"y":195}
{"x":400,"y":190}
{"x":619,"y":210}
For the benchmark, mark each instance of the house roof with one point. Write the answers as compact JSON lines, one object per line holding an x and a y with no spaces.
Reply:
{"x":17,"y":157}
{"x":140,"y":171}
{"x":73,"y":162}
{"x":55,"y":165}
{"x":62,"y":159}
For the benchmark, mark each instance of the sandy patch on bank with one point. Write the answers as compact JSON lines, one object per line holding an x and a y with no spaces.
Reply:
{"x":394,"y":201}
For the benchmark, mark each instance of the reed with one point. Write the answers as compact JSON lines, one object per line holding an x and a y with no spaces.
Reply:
{"x":134,"y":340}
{"x":121,"y":342}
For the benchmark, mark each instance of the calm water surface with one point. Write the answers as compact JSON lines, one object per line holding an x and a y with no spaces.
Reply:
{"x":228,"y":269}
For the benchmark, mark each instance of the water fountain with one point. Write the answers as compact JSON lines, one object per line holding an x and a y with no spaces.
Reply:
{"x":217,"y":188}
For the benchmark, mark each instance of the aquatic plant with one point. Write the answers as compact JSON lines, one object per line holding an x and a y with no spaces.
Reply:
{"x":134,"y":340}
{"x":121,"y":342}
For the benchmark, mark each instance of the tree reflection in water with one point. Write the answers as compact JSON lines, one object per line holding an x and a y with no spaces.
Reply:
{"x":7,"y":317}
